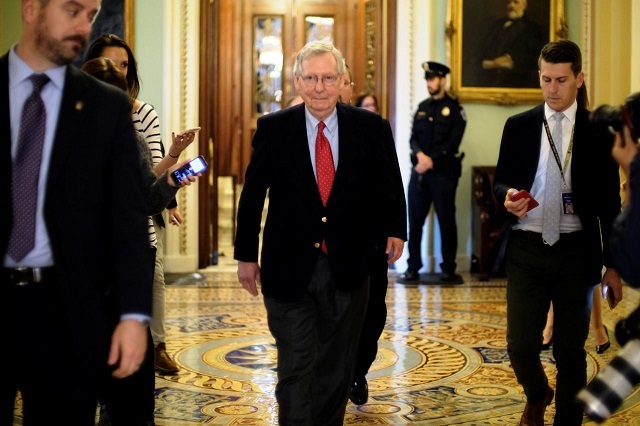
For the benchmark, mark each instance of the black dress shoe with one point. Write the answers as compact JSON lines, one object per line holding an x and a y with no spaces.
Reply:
{"x":534,"y":411}
{"x":446,"y":277}
{"x":411,"y":276}
{"x":547,"y":346}
{"x":359,"y":391}
{"x":601,"y":348}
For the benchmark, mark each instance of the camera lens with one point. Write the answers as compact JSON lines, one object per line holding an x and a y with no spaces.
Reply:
{"x":604,"y":394}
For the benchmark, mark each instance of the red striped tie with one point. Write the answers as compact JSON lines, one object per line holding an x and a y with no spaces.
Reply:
{"x":324,"y":168}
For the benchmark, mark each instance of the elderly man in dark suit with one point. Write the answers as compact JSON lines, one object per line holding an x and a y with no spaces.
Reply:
{"x":331,"y":208}
{"x":73,"y":232}
{"x":555,"y":253}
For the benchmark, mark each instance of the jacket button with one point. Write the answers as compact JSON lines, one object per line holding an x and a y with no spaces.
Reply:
{"x":324,"y":219}
{"x":317,"y":245}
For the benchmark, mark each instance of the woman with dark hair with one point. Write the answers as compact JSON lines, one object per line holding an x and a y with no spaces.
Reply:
{"x":367,"y":100}
{"x":161,"y":189}
{"x":146,"y":122}
{"x":132,"y":400}
{"x":110,"y":46}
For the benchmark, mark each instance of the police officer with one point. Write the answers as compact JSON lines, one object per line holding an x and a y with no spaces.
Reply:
{"x":438,"y":126}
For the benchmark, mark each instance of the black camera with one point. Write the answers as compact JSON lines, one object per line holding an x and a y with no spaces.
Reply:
{"x":609,"y":119}
{"x":606,"y":392}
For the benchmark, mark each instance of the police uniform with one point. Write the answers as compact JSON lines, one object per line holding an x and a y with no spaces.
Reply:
{"x":437,"y":131}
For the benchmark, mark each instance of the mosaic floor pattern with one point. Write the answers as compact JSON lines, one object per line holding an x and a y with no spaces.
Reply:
{"x":442,"y":358}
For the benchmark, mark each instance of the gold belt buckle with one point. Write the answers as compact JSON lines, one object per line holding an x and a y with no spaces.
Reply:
{"x":25,"y":276}
{"x":18,"y":277}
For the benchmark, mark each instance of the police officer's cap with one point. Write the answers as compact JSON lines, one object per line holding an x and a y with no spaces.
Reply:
{"x":434,"y":69}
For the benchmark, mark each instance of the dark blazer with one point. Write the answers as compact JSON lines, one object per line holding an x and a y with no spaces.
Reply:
{"x":361,"y":212}
{"x":94,"y":209}
{"x":625,"y":237}
{"x":594,"y":175}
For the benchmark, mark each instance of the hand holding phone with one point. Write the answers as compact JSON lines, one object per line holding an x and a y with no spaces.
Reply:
{"x":193,"y":167}
{"x":193,"y":130}
{"x":608,"y":294}
{"x":519,"y":195}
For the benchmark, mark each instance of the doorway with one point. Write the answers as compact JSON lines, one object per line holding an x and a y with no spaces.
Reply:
{"x":247,"y":53}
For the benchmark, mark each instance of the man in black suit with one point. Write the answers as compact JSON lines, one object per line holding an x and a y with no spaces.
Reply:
{"x":323,"y":226}
{"x":85,"y":271}
{"x":555,"y":255}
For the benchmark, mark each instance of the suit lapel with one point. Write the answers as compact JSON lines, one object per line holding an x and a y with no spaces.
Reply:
{"x":580,"y":147}
{"x":297,"y":142}
{"x":73,"y":109}
{"x":531,"y":149}
{"x":347,"y":137}
{"x":5,"y":129}
{"x":300,"y":155}
{"x":5,"y":153}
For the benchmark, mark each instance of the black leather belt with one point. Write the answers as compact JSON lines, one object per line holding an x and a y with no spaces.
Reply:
{"x":537,"y":236}
{"x":26,"y":276}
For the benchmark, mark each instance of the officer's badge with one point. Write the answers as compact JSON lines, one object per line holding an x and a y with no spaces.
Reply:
{"x":445,"y":111}
{"x":421,"y":113}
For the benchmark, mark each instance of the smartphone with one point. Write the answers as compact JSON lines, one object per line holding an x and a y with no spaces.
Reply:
{"x":193,"y":130}
{"x":193,"y":167}
{"x":525,"y":194}
{"x":608,"y":294}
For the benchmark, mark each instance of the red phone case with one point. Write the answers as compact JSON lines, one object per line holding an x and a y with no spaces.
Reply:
{"x":525,"y":194}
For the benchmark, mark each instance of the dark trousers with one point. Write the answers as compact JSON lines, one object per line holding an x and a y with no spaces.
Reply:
{"x":131,"y":401}
{"x":536,"y":276}
{"x":375,"y":318}
{"x":441,"y":191}
{"x":316,"y":338}
{"x":42,"y":361}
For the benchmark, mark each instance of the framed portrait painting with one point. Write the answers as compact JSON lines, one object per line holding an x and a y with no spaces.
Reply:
{"x":495,"y":45}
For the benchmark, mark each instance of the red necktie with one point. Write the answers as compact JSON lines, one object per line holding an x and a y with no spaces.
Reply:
{"x":324,"y":168}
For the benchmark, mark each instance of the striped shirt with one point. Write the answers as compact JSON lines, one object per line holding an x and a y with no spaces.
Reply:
{"x":146,"y":122}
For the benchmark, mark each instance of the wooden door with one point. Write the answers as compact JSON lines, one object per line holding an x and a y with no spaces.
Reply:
{"x":231,"y":94}
{"x":291,"y":23}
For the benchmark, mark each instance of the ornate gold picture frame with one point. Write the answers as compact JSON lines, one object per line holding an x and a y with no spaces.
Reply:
{"x":494,"y":47}
{"x":129,"y":26}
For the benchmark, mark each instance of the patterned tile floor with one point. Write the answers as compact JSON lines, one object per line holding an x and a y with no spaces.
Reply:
{"x":442,"y":359}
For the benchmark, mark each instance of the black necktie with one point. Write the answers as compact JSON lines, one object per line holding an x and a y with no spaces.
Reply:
{"x":26,"y":171}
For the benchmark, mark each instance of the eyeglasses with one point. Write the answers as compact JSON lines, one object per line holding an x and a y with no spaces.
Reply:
{"x":312,"y":80}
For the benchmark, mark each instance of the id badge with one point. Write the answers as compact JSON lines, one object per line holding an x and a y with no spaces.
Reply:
{"x":567,"y":202}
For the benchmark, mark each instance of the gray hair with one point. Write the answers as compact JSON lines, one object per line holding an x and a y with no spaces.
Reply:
{"x":317,"y":48}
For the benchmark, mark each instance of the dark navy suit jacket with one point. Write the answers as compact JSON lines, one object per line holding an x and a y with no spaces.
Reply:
{"x":94,"y":210}
{"x":362,"y":210}
{"x":594,"y":176}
